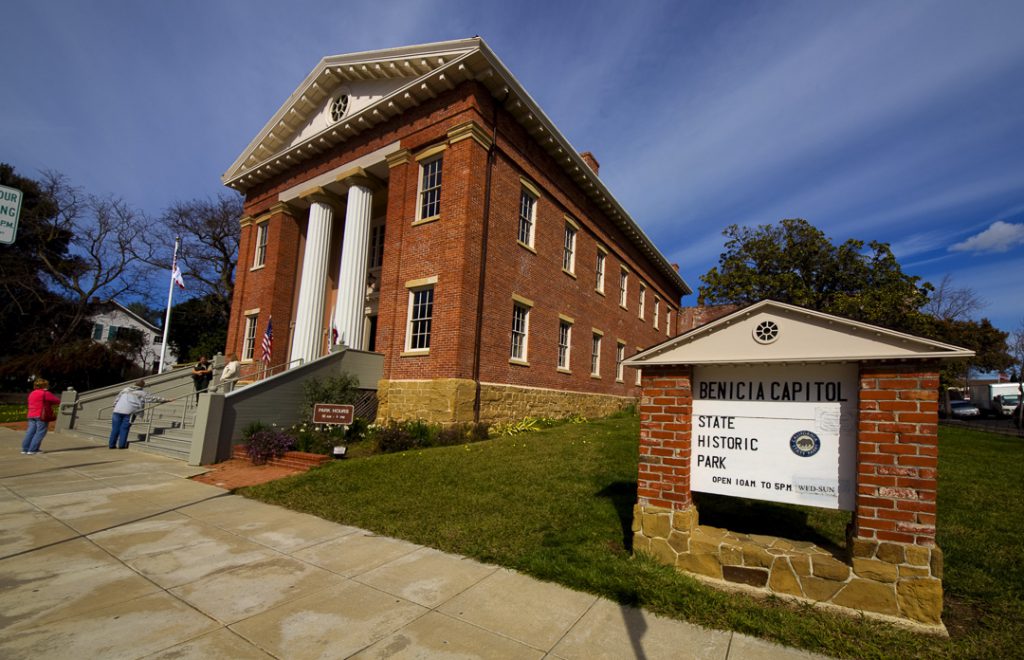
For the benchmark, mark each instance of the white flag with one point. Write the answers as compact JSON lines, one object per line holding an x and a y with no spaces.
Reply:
{"x":176,"y":275}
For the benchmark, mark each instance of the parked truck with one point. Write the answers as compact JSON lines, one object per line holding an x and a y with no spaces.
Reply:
{"x":998,"y":399}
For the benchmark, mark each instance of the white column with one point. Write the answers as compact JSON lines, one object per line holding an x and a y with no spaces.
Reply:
{"x":351,"y":302}
{"x":306,"y":342}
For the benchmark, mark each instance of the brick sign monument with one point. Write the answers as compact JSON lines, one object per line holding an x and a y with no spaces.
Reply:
{"x":784,"y":404}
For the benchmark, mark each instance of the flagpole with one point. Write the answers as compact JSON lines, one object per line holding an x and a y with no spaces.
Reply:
{"x":167,"y":317}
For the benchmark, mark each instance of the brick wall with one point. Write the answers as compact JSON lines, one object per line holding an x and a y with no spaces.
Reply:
{"x":451,"y":250}
{"x":897,"y":454}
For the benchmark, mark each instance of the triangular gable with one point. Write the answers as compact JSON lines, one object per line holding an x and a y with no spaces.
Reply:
{"x":379,"y":84}
{"x":774,"y":332}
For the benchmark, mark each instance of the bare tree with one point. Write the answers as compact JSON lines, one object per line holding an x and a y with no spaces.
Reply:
{"x":209,"y":231}
{"x":105,"y":248}
{"x":950,"y":303}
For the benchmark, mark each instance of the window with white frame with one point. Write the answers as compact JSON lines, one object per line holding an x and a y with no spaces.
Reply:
{"x":595,"y":355}
{"x":643,"y":301}
{"x":249,"y":338}
{"x":668,"y":323}
{"x":260,"y":257}
{"x":569,"y":249}
{"x":620,"y":355}
{"x":430,"y":188}
{"x":376,"y":256}
{"x":657,"y":311}
{"x":421,"y":317}
{"x":599,"y":271}
{"x":623,"y":287}
{"x":527,"y":216}
{"x":639,"y":372}
{"x":564,"y":343}
{"x":520,"y":331}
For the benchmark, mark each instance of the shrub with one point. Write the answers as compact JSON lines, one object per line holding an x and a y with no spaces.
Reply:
{"x":342,"y":389}
{"x":253,"y":428}
{"x":402,"y":436}
{"x":268,"y":443}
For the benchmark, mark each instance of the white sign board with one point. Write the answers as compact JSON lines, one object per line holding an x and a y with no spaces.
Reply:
{"x":777,"y":433}
{"x":10,"y":209}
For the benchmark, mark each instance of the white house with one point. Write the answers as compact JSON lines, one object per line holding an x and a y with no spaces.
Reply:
{"x":112,"y":317}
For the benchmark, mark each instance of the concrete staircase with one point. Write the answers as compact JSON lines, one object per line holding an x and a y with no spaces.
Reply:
{"x":170,"y":427}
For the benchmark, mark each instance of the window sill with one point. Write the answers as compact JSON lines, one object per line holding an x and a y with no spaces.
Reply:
{"x":526,"y":246}
{"x":599,"y":292}
{"x":596,"y":376}
{"x":563,"y":370}
{"x":414,"y":353}
{"x":424,"y":221}
{"x":518,"y":363}
{"x":569,"y":273}
{"x":623,"y":306}
{"x":619,"y":380}
{"x":260,"y":267}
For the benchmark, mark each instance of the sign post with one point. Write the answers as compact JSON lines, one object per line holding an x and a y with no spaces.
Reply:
{"x":334,"y":414}
{"x":10,"y":210}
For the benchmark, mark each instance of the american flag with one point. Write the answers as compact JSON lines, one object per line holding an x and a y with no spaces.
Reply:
{"x":268,"y":341}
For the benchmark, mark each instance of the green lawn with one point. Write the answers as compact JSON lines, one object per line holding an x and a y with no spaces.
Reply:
{"x":557,"y":504}
{"x":10,"y":412}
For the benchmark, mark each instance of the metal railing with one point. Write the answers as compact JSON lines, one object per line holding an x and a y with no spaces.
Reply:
{"x":191,"y":399}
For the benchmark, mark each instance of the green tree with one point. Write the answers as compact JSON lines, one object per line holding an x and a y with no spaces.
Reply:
{"x":794,"y":262}
{"x":198,"y":328}
{"x":33,"y":317}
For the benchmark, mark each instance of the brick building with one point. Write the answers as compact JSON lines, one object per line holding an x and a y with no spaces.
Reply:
{"x":416,"y":202}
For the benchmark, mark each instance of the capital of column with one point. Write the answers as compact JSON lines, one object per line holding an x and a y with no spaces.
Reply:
{"x":319,"y":195}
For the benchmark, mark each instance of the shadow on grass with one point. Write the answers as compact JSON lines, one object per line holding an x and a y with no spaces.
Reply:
{"x":766,"y":518}
{"x":623,"y":496}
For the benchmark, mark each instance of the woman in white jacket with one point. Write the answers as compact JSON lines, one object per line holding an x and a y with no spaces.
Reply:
{"x":131,"y":400}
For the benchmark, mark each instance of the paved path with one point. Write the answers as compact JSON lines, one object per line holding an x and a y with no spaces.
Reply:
{"x":116,"y":554}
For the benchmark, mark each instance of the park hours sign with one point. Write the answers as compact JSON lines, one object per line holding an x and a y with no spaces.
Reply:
{"x":777,"y":433}
{"x":10,"y":210}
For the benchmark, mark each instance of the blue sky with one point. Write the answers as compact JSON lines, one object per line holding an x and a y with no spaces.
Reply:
{"x":894,"y":121}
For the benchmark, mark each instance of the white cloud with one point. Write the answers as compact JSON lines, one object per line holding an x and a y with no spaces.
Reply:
{"x":999,"y":237}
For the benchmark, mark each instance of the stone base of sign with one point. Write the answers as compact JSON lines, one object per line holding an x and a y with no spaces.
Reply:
{"x":879,"y":578}
{"x":450,"y":401}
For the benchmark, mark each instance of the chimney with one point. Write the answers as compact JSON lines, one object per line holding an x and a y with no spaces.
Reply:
{"x":589,"y":159}
{"x":676,"y":267}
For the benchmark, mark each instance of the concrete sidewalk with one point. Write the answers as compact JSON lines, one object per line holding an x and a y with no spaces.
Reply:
{"x":116,"y":554}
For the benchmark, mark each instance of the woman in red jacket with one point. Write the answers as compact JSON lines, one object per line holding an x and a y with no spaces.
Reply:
{"x":40,"y":413}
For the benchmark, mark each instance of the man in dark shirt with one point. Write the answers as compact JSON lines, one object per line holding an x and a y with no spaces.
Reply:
{"x":202,"y":374}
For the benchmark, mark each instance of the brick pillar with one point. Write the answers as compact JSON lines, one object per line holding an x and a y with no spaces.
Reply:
{"x":665,"y":409}
{"x":664,"y":518}
{"x":897,"y":467}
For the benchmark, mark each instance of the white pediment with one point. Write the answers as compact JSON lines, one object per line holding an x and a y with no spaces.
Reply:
{"x":773,"y":332}
{"x":358,"y":96}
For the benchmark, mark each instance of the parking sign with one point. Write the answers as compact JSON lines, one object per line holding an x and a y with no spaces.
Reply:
{"x":10,"y":209}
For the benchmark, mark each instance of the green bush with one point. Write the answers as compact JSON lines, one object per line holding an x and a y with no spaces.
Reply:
{"x":402,"y":436}
{"x":340,"y":389}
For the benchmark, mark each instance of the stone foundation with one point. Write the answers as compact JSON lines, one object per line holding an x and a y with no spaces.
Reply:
{"x":450,"y":400}
{"x":883,"y":578}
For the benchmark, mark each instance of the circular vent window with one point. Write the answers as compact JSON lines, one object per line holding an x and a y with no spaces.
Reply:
{"x":339,"y":106}
{"x":766,"y":332}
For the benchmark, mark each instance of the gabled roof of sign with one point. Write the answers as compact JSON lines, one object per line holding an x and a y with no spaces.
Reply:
{"x":389,"y":82}
{"x":774,"y":332}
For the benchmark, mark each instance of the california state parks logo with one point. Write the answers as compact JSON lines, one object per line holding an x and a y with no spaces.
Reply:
{"x":805,"y":443}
